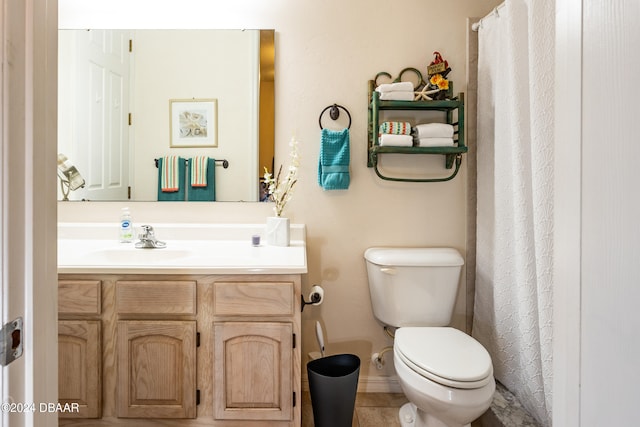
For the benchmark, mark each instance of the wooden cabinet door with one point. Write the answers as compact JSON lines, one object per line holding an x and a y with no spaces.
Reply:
{"x":156,"y":369}
{"x":253,"y":371}
{"x":79,"y":367}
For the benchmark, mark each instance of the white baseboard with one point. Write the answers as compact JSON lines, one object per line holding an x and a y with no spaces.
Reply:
{"x":367,"y":384}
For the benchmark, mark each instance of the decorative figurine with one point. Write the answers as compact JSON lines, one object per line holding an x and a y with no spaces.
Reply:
{"x":438,"y":85}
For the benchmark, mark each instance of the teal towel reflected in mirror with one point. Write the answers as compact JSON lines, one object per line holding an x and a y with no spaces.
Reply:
{"x":204,"y":194}
{"x":186,"y":192}
{"x":175,"y":196}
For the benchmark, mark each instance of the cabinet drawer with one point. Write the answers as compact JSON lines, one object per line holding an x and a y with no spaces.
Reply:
{"x":79,"y":297}
{"x":253,"y":298}
{"x":156,"y":297}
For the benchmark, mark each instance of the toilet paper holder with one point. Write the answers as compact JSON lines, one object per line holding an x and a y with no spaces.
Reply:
{"x":316,"y":296}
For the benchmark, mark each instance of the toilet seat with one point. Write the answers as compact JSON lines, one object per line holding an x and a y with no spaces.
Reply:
{"x":444,"y":355}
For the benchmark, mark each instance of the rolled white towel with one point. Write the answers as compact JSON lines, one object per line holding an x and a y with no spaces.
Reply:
{"x":434,"y":130}
{"x":395,"y":87}
{"x":397,"y":96}
{"x":392,"y":140}
{"x":435,"y":142}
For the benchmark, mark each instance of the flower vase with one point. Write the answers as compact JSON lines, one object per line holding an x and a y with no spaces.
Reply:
{"x":277,"y":231}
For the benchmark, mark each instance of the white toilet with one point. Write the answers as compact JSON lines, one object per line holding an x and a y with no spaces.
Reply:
{"x":446,"y":374}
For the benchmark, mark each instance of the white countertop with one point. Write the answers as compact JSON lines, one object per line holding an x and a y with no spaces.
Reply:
{"x":190,"y":249}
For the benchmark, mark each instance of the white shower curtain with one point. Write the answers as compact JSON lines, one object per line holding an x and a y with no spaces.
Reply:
{"x":513,"y":302}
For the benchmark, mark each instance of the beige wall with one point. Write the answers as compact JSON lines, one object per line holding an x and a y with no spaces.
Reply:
{"x":325,"y":53}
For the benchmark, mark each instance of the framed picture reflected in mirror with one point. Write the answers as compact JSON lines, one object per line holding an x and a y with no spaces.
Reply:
{"x":193,"y":122}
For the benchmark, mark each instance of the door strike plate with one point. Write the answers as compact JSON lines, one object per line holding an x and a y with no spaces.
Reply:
{"x":11,"y":341}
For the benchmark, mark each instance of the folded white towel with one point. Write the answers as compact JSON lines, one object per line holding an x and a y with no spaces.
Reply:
{"x":393,"y":140}
{"x":434,"y":130}
{"x":397,"y":96}
{"x":395,"y":87}
{"x":435,"y":142}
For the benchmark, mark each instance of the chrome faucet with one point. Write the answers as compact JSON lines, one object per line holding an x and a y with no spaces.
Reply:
{"x":148,"y":239}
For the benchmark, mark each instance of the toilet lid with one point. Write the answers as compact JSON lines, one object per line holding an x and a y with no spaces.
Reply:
{"x":444,"y":355}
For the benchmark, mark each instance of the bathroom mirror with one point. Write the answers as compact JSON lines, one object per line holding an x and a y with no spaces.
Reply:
{"x":116,"y":89}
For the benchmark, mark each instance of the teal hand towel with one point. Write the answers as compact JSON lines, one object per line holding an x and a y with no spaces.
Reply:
{"x":206,"y":193}
{"x":173,"y":196}
{"x":333,"y":164}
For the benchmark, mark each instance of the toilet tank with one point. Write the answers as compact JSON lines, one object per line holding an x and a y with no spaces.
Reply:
{"x":413,"y":286}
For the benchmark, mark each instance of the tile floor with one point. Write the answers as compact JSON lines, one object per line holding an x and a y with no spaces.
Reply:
{"x":372,"y":410}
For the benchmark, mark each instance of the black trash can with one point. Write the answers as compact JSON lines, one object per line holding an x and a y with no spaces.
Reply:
{"x":333,"y":381}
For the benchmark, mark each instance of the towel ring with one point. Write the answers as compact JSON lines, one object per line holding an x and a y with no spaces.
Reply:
{"x":334,"y":113}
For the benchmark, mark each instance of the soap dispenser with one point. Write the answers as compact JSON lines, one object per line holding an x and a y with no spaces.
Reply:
{"x":126,"y":227}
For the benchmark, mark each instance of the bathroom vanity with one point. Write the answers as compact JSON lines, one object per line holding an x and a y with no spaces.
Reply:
{"x":206,"y":333}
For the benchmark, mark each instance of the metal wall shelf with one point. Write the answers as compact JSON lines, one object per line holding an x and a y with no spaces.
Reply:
{"x":453,"y":155}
